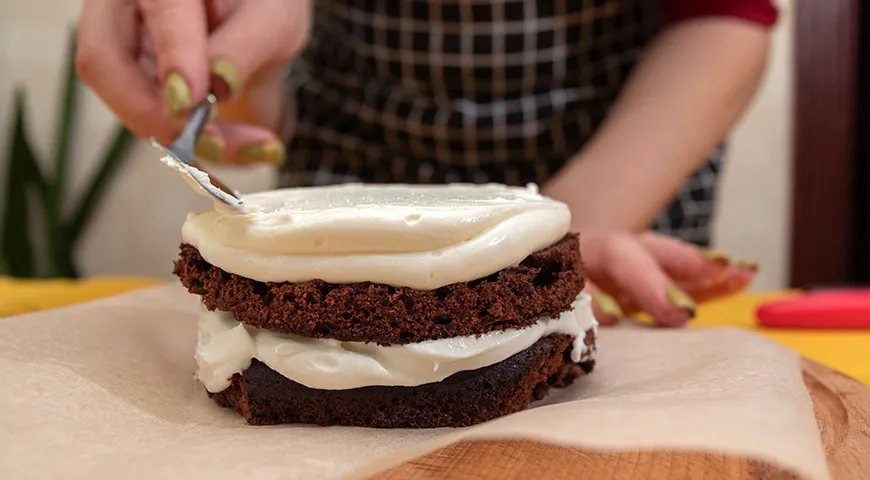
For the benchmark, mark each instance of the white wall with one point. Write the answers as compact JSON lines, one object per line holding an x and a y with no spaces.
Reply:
{"x":136,"y":231}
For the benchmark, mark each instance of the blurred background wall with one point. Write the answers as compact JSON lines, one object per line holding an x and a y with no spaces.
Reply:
{"x":137,"y":228}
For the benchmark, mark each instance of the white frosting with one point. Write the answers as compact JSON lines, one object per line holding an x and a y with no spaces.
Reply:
{"x":195,"y":178}
{"x":226,"y":347}
{"x":198,"y":179}
{"x":422,"y":237}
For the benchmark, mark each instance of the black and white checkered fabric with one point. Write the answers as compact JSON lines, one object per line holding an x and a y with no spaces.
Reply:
{"x":440,"y":91}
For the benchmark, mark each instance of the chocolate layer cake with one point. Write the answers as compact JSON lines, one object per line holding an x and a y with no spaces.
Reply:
{"x":543,"y":284}
{"x":265,"y":397}
{"x":387,"y":306}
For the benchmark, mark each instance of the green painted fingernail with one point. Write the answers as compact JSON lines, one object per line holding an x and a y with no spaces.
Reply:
{"x":269,"y":152}
{"x":745,"y":265}
{"x":210,"y":148}
{"x":176,"y":94}
{"x":714,"y":255}
{"x":681,"y":299}
{"x":607,"y":304}
{"x":229,"y":73}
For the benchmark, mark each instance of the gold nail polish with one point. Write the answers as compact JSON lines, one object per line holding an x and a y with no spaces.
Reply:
{"x":229,"y":73}
{"x":744,"y":265}
{"x":714,"y":255}
{"x":680,"y":299}
{"x":176,"y":94}
{"x":210,"y":148}
{"x":269,"y":152}
{"x":607,"y":304}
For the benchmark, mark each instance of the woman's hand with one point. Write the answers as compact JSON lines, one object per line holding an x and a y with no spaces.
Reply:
{"x":660,"y":275}
{"x":152,"y":60}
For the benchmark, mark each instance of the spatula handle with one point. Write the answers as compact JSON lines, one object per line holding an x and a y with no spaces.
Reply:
{"x":835,"y":309}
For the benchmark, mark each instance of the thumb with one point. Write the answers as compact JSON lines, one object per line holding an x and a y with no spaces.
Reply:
{"x":179,"y":33}
{"x":254,"y":37}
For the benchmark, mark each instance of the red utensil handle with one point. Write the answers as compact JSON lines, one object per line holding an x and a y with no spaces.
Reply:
{"x":848,"y":309}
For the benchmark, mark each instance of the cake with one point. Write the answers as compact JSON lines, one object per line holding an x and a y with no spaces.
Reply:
{"x":388,"y":306}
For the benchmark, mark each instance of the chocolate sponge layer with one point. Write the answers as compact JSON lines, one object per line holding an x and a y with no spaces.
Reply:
{"x":265,"y":397}
{"x":544,"y":284}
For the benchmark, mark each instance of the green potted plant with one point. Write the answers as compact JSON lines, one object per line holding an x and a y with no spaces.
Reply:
{"x":32,"y":193}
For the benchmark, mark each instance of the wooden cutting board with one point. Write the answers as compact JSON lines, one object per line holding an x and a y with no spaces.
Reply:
{"x":842,"y":408}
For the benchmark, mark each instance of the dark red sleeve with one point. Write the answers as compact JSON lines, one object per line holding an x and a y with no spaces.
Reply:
{"x":758,"y":11}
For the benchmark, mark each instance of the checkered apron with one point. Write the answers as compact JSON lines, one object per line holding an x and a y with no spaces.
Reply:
{"x":440,"y":91}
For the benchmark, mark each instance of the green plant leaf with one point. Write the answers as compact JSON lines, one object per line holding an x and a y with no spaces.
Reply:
{"x":60,"y":250}
{"x":26,"y":178}
{"x":17,"y":250}
{"x":111,"y":160}
{"x":33,"y":174}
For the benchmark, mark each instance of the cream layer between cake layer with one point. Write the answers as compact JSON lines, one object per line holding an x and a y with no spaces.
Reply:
{"x":226,"y":347}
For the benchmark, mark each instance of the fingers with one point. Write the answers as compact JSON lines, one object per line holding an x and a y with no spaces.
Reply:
{"x":148,"y":58}
{"x":106,"y":61}
{"x":255,"y":36}
{"x":239,"y":144}
{"x":606,"y":309}
{"x":218,"y":10}
{"x":705,"y":274}
{"x":685,"y":262}
{"x":179,"y":31}
{"x":699,"y":269}
{"x":734,"y":281}
{"x":638,"y":274}
{"x":660,"y":275}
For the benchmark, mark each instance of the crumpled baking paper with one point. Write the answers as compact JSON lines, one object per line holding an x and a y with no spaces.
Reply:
{"x":107,"y":390}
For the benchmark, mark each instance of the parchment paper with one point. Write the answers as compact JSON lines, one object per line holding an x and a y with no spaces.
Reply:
{"x":106,"y":390}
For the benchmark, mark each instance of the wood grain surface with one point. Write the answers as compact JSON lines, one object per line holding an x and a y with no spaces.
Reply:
{"x":842,"y":408}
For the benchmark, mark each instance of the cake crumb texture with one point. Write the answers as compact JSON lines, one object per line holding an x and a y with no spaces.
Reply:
{"x":544,"y":284}
{"x":265,"y":397}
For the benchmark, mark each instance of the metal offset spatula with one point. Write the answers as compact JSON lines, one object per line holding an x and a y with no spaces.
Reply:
{"x":179,"y":155}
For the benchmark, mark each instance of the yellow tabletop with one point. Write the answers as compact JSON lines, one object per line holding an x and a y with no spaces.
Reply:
{"x":846,"y":351}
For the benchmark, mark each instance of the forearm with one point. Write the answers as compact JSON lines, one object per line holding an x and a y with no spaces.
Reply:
{"x":686,"y":93}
